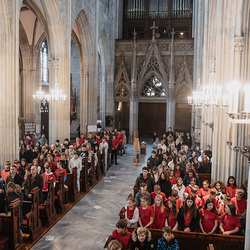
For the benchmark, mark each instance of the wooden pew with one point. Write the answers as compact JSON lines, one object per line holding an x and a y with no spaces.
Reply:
{"x":47,"y":210}
{"x":84,"y":184}
{"x":11,"y":226}
{"x":203,"y":177}
{"x":135,"y":189}
{"x":71,"y":182}
{"x":191,"y":240}
{"x":103,"y":162}
{"x":60,"y":193}
{"x":98,"y":167}
{"x":31,"y":224}
{"x":92,"y":170}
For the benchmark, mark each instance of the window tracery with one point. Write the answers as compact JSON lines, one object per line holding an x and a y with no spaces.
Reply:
{"x":153,"y":88}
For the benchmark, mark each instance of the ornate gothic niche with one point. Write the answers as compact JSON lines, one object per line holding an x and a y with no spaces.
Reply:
{"x":152,"y":64}
{"x":184,"y":83}
{"x":153,"y":87}
{"x":122,"y":83}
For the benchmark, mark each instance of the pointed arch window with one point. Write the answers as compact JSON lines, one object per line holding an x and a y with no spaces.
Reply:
{"x":153,"y":88}
{"x":44,"y":63}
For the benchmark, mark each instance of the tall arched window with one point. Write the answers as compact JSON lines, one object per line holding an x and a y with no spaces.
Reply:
{"x":44,"y":63}
{"x":153,"y":88}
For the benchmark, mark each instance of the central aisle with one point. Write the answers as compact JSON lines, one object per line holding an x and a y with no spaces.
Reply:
{"x":86,"y":226}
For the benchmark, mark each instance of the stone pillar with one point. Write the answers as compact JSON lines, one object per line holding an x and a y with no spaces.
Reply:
{"x":103,"y":91}
{"x":31,"y":110}
{"x":133,"y":109}
{"x":170,"y":117}
{"x":22,"y":102}
{"x":247,"y":232}
{"x":84,"y":100}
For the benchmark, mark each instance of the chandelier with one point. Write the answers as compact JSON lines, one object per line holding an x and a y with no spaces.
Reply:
{"x":207,"y":96}
{"x":56,"y":95}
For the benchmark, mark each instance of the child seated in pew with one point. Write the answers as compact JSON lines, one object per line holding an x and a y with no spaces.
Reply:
{"x":114,"y":245}
{"x":180,"y":188}
{"x":172,"y":179}
{"x":197,"y":199}
{"x":146,"y":213}
{"x":160,"y":213}
{"x":229,"y":221}
{"x":141,"y":239}
{"x":208,"y":217}
{"x":122,"y":234}
{"x":231,"y":187}
{"x":239,"y":202}
{"x":167,"y":241}
{"x":6,"y":171}
{"x":213,"y":196}
{"x":157,"y":190}
{"x":226,"y":200}
{"x":205,"y":190}
{"x":171,"y":214}
{"x":188,"y":217}
{"x":192,"y":184}
{"x":47,"y":175}
{"x":132,"y":212}
{"x":143,"y":192}
{"x":59,"y":170}
{"x":179,"y":201}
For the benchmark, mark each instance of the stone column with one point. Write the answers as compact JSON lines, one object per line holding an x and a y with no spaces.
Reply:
{"x":247,"y":232}
{"x":84,"y":100}
{"x":32,"y":89}
{"x":22,"y":102}
{"x":133,"y":109}
{"x":170,"y":117}
{"x":103,"y":91}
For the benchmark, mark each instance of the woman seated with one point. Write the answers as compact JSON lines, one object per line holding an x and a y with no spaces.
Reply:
{"x":192,"y":184}
{"x":132,"y":212}
{"x":208,"y":218}
{"x":172,"y":213}
{"x":180,"y":188}
{"x":146,"y":213}
{"x":160,"y":212}
{"x":220,"y":187}
{"x":188,"y":217}
{"x":229,"y":221}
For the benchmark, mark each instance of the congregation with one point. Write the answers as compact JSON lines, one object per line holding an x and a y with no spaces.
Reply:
{"x":170,"y":197}
{"x":40,"y":163}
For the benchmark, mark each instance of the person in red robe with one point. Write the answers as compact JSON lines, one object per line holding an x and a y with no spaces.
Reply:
{"x":229,"y":221}
{"x":208,"y":217}
{"x":205,"y":190}
{"x":157,"y":190}
{"x":160,"y":212}
{"x":122,"y":234}
{"x":146,"y":213}
{"x":231,"y":187}
{"x":47,"y":175}
{"x":59,"y":170}
{"x":172,"y":213}
{"x":192,"y":184}
{"x":179,"y":201}
{"x":239,"y":202}
{"x":197,"y":199}
{"x":226,"y":200}
{"x":213,"y":196}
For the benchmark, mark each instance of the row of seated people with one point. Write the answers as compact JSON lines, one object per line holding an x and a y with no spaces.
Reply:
{"x":180,"y":151}
{"x":140,"y":238}
{"x":52,"y":193}
{"x":113,"y":141}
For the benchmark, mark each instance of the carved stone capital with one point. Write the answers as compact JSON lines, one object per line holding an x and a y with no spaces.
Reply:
{"x":239,"y":43}
{"x":32,"y":73}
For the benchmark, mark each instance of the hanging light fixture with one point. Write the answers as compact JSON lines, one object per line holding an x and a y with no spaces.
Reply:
{"x":40,"y":95}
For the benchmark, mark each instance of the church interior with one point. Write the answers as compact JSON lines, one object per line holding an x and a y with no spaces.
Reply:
{"x":134,"y":69}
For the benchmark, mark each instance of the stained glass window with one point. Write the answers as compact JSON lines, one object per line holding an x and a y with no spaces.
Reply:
{"x":153,"y":88}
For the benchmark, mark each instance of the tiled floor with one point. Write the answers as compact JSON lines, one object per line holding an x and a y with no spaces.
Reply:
{"x":86,"y":227}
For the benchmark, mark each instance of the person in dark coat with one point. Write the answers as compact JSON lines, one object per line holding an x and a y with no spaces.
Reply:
{"x":14,"y":176}
{"x":153,"y":160}
{"x":29,"y":154}
{"x":19,"y":169}
{"x":141,"y":239}
{"x":14,"y":192}
{"x":165,"y":184}
{"x":146,"y":178}
{"x":34,"y":180}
